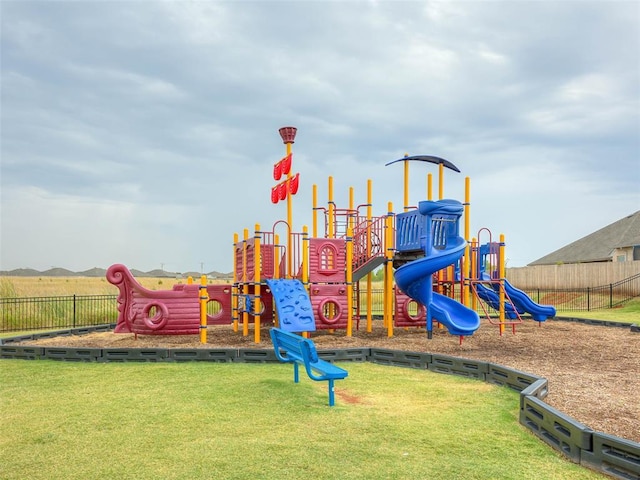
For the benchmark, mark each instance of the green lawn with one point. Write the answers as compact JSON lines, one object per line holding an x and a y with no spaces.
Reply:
{"x":629,"y":313}
{"x":238,"y":421}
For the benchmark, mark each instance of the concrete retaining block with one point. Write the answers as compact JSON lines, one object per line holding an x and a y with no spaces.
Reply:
{"x":555,"y":428}
{"x":249,"y":355}
{"x":538,"y":389}
{"x":222,"y":355}
{"x":399,"y":358}
{"x":615,"y":456}
{"x":134,"y":355}
{"x":458,"y":366}
{"x":21,"y":352}
{"x":72,"y":354}
{"x":510,"y":377}
{"x":345,"y":355}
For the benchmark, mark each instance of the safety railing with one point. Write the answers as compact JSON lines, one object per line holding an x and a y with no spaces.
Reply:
{"x":41,"y":313}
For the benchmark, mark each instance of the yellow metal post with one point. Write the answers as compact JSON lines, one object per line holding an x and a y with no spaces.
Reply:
{"x":305,"y":255}
{"x":245,"y":284}
{"x":429,"y":187}
{"x":473,"y":269}
{"x":330,"y":232}
{"x":235,"y":290}
{"x":464,"y":274}
{"x":204,"y":299}
{"x":314,"y":198}
{"x":369,"y":249}
{"x":440,"y":181}
{"x":388,"y":275}
{"x":276,"y":270}
{"x":257,"y":305}
{"x":501,"y":275}
{"x":349,"y":269}
{"x":349,"y":281}
{"x":305,"y":263}
{"x":289,"y":222}
{"x":406,"y":184}
{"x":288,"y":135}
{"x":276,"y":256}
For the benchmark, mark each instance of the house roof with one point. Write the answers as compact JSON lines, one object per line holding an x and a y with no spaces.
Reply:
{"x":599,"y":245}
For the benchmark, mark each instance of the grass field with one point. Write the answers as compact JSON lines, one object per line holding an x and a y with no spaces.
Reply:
{"x":237,"y":421}
{"x":53,"y":286}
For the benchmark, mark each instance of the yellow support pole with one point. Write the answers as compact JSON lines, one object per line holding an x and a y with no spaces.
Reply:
{"x":276,"y":270}
{"x":429,"y":187}
{"x":501,"y":275}
{"x":464,"y":274}
{"x":276,"y":256}
{"x":349,"y":281}
{"x":351,"y":201}
{"x":245,"y":284}
{"x":289,"y":222}
{"x":305,"y":263}
{"x":440,"y":181}
{"x":473,"y":270}
{"x":369,"y":248}
{"x":314,"y":197}
{"x":305,"y":255}
{"x":406,"y":184}
{"x":236,"y":289}
{"x":257,"y":305}
{"x":330,"y":232}
{"x":388,"y":276}
{"x":204,"y":299}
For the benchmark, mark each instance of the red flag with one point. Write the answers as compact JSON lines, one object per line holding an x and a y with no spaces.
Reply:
{"x":277,"y":170}
{"x":282,"y":190}
{"x":294,"y":183}
{"x":286,"y":164}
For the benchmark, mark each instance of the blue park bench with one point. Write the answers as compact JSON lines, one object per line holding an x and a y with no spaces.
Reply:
{"x":292,"y":348}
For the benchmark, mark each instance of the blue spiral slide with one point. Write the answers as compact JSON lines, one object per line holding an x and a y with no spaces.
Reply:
{"x":414,"y":278}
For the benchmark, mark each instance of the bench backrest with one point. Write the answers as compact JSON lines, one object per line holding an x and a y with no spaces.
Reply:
{"x":294,"y":345}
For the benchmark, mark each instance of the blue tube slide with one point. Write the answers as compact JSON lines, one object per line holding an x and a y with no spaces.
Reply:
{"x":414,"y":278}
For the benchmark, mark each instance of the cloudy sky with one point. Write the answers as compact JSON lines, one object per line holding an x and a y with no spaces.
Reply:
{"x":145,"y":132}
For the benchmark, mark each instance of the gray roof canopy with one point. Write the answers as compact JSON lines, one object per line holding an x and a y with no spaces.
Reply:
{"x":599,"y":245}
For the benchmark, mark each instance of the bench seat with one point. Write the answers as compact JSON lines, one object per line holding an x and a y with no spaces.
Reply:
{"x":292,"y":348}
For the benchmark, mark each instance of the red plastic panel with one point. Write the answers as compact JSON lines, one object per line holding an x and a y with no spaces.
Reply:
{"x":330,"y":307}
{"x":327,"y":260}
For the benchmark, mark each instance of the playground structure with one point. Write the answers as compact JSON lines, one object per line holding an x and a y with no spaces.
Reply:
{"x":306,"y":281}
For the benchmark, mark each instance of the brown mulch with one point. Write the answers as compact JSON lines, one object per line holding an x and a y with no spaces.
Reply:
{"x":593,"y":371}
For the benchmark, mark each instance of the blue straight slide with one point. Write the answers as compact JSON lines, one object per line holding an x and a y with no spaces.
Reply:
{"x":493,"y":299}
{"x":523,"y":302}
{"x":414,"y":278}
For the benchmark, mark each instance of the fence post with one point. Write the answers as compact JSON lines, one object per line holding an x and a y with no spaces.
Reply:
{"x":588,"y":299}
{"x":610,"y":295}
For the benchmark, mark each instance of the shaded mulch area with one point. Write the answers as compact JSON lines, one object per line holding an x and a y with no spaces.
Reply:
{"x":593,"y":371}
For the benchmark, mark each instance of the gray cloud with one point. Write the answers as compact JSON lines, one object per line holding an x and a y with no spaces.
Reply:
{"x":145,"y":130}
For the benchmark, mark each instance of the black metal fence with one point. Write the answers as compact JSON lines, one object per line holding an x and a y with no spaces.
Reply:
{"x":44,"y":313}
{"x":593,"y":298}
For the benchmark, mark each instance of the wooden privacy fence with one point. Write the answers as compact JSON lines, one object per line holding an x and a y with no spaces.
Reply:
{"x":574,"y":275}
